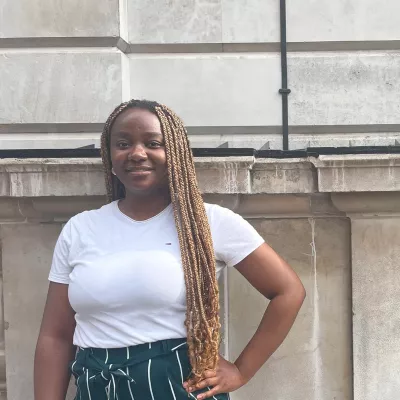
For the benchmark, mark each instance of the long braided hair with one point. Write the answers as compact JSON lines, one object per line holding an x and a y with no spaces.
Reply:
{"x":197,"y":253}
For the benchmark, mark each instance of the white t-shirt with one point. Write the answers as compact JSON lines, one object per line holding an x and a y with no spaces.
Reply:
{"x":125,"y":277}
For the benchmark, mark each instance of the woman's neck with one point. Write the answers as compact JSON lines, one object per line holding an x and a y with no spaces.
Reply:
{"x":141,"y":208}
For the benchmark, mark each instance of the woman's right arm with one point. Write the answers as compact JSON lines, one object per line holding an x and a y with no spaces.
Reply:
{"x":54,"y":349}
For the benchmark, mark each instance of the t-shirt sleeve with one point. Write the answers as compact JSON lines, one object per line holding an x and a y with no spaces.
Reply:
{"x":60,"y":267}
{"x":233,"y":237}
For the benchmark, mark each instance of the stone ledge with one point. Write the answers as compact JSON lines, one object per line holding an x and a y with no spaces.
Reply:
{"x":358,"y":173}
{"x":283,"y":176}
{"x":367,"y":203}
{"x":218,"y":175}
{"x":224,"y":175}
{"x":60,"y":209}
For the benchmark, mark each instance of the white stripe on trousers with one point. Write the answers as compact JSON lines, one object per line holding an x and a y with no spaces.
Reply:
{"x":127,"y":371}
{"x":78,"y":390}
{"x":177,"y":347}
{"x":180,"y":367}
{"x":107,"y":388}
{"x":87,"y":384}
{"x":148,"y":376}
{"x":106,"y":360}
{"x":172,"y":389}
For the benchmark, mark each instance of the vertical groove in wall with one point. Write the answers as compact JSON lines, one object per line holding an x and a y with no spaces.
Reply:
{"x":2,"y":342}
{"x":124,"y":35}
{"x":226,"y":313}
{"x":351,"y":301}
{"x":123,"y":20}
{"x":126,"y":78}
{"x":316,"y":323}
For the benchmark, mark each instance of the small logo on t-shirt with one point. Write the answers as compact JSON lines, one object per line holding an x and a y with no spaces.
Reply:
{"x":168,"y":244}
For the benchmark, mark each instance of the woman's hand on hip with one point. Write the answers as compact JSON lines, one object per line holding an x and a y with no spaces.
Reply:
{"x":227,"y":378}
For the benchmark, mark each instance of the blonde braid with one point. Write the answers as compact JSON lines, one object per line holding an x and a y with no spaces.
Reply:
{"x":197,"y":252}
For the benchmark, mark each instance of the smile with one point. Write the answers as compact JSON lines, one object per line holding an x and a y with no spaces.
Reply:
{"x":139,"y":172}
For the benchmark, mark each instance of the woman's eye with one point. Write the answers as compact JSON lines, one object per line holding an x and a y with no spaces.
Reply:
{"x":154,"y":144}
{"x":122,"y":145}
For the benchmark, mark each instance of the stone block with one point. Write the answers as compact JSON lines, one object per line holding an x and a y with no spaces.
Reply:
{"x":57,"y":177}
{"x":342,"y":20}
{"x":344,"y":88}
{"x":26,"y":258}
{"x":250,"y":21}
{"x":376,"y":319}
{"x":283,"y":176}
{"x":10,"y":210}
{"x":46,"y":209}
{"x":359,"y":20}
{"x":59,"y":87}
{"x":182,"y":21}
{"x":367,"y":203}
{"x":358,"y":173}
{"x":59,"y":18}
{"x":317,"y":354}
{"x":230,"y":176}
{"x":212,"y":90}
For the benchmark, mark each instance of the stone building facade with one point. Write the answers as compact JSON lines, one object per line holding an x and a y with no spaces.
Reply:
{"x":65,"y":65}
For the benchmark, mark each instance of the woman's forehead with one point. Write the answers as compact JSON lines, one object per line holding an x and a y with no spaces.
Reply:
{"x":136,"y":119}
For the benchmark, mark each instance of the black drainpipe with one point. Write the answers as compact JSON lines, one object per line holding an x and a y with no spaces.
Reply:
{"x":284,"y":91}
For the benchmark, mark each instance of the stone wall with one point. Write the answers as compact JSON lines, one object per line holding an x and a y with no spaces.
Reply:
{"x":334,"y":219}
{"x":65,"y":65}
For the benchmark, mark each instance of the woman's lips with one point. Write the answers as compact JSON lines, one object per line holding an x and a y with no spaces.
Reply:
{"x":139,"y":172}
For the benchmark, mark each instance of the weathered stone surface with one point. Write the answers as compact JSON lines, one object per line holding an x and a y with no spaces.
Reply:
{"x":276,"y":205}
{"x":182,"y":21}
{"x":344,"y":89}
{"x":230,"y":176}
{"x":212,"y":90}
{"x":376,"y":319}
{"x":2,"y":345}
{"x":283,"y":176}
{"x":317,"y":353}
{"x":250,"y":21}
{"x":302,"y":141}
{"x":358,"y":173}
{"x":56,"y":177}
{"x":341,"y":20}
{"x":10,"y":210}
{"x":367,"y":203}
{"x":84,"y":177}
{"x":26,"y":257}
{"x":46,"y":209}
{"x":59,"y":87}
{"x":58,"y":18}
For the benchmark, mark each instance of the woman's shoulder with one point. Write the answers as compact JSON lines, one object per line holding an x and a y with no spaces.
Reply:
{"x":216,"y":213}
{"x":92,"y":216}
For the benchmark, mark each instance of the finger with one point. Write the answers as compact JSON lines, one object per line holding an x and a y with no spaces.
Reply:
{"x":206,"y":383}
{"x":190,"y":383}
{"x":209,"y":394}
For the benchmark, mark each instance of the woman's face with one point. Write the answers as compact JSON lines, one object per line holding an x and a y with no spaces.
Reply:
{"x":138,"y":152}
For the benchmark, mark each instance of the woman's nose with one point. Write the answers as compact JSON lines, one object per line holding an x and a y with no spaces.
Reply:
{"x":138,"y":153}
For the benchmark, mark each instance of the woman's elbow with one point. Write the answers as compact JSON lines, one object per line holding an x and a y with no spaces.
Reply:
{"x":298,"y":292}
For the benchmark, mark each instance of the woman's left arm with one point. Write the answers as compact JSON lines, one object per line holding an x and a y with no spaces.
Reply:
{"x":271,"y":276}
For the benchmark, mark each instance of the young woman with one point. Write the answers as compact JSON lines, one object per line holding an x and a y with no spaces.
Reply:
{"x":132,"y":307}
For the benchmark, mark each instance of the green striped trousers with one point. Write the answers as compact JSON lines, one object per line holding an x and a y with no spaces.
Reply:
{"x":151,"y":371}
